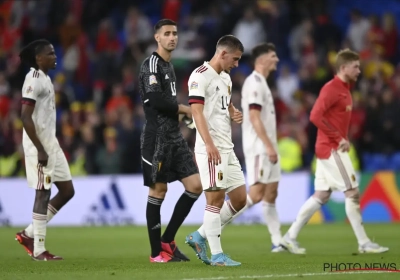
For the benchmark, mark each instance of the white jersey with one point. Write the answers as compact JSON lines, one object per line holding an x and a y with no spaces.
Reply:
{"x":257,"y":95}
{"x":213,"y":90}
{"x":38,"y":91}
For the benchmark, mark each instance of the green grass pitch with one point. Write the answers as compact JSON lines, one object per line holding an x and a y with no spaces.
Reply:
{"x":121,"y":253}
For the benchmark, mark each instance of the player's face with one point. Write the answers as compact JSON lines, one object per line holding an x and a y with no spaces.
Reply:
{"x":48,"y":59}
{"x":270,"y":61}
{"x":167,"y":37}
{"x":352,"y":70}
{"x":230,"y":59}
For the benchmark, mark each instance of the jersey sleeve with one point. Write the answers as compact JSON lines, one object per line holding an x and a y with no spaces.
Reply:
{"x":151,"y":77}
{"x":30,"y":91}
{"x":253,"y":90}
{"x":154,"y":95}
{"x":197,"y":88}
{"x":324,"y":102}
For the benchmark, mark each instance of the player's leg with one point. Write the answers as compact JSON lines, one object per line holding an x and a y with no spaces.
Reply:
{"x":352,"y":204}
{"x":155,"y":177}
{"x":214,"y":183}
{"x":231,"y":208}
{"x":63,"y":182}
{"x":183,"y":168}
{"x":271,"y":215}
{"x":313,"y":204}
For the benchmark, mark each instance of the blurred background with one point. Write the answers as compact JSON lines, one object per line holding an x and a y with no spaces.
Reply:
{"x":100,"y":46}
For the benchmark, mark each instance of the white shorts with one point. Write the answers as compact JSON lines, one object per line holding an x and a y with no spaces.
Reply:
{"x":42,"y":177}
{"x":227,"y":175}
{"x":335,"y":173}
{"x":260,"y":170}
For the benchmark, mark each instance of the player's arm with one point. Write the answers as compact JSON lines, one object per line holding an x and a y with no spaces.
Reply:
{"x":154,"y":97}
{"x":235,"y":114}
{"x":255,"y":106}
{"x":197,"y":89}
{"x":29,"y":96}
{"x":324,"y":102}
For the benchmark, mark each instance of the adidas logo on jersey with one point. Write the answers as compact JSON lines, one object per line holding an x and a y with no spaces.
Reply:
{"x":166,"y":76}
{"x":217,"y":89}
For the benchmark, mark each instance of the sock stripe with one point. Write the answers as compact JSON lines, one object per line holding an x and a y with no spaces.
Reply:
{"x":213,"y":209}
{"x":192,"y":195}
{"x":233,"y":211}
{"x":52,"y":209}
{"x":39,"y":217}
{"x":154,"y":200}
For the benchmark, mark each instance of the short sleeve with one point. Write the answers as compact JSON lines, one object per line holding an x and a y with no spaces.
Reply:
{"x":30,"y":91}
{"x":197,"y":88}
{"x":151,"y":76}
{"x":254,"y":93}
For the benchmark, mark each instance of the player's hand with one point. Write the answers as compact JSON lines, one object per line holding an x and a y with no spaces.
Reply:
{"x":272,"y":155}
{"x":42,"y":157}
{"x":213,"y":154}
{"x":237,"y":116}
{"x":344,"y":145}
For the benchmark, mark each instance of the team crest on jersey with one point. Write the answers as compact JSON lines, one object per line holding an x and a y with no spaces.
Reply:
{"x":229,"y":90}
{"x":29,"y":90}
{"x":152,"y":80}
{"x":48,"y":179}
{"x":194,"y":85}
{"x":261,"y":172}
{"x":353,"y":177}
{"x":348,"y":108}
{"x":159,"y":165}
{"x":220,"y":175}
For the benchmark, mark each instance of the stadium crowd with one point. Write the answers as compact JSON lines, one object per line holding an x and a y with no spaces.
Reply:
{"x":100,"y":46}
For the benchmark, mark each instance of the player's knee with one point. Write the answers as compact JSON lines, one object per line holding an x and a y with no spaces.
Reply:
{"x":322,"y":196}
{"x":69,"y":193}
{"x":158,"y":191}
{"x":353,"y":194}
{"x":42,"y":196}
{"x":271,"y":195}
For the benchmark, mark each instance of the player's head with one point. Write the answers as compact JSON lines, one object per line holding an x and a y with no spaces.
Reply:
{"x":39,"y":54}
{"x":229,"y":51}
{"x":264,"y":57}
{"x":348,"y":64}
{"x":166,"y":34}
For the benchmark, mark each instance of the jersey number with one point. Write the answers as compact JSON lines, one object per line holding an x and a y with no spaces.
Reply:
{"x":173,"y":88}
{"x":224,"y":101}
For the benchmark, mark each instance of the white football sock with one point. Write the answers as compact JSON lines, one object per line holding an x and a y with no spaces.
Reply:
{"x":212,"y":228}
{"x":354,"y":215}
{"x":39,"y":233}
{"x":272,"y":221}
{"x":51,"y":212}
{"x":306,"y":211}
{"x":228,"y":213}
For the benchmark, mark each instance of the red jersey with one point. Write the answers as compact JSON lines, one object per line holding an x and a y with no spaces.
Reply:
{"x":331,"y":114}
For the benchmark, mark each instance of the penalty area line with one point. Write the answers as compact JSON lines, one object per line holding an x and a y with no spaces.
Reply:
{"x":290,"y":275}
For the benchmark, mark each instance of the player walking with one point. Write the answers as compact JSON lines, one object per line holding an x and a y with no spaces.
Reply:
{"x":210,"y":89}
{"x":166,"y":156}
{"x":259,"y":138}
{"x":44,"y":159}
{"x":331,"y":115}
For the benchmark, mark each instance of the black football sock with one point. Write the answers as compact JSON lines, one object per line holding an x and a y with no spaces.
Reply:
{"x":182,"y":209}
{"x":153,"y":217}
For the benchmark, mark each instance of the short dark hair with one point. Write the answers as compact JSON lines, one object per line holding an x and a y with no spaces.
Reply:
{"x":262,"y":49}
{"x":29,"y":52}
{"x":163,"y":22}
{"x":345,"y":56}
{"x":230,"y":42}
